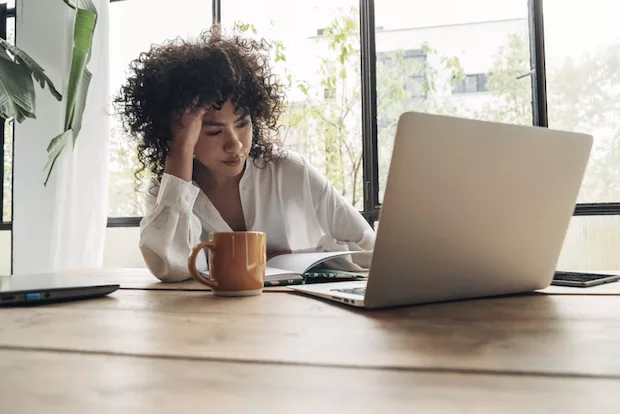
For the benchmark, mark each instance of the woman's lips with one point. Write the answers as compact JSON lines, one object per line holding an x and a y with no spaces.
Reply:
{"x":233,"y":163}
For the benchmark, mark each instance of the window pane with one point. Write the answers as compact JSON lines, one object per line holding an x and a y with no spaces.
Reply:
{"x":315,"y":51}
{"x":134,"y":26}
{"x":583,"y":84}
{"x":9,"y":3}
{"x":7,"y":185}
{"x":468,"y":59}
{"x":10,"y":30}
{"x":591,"y":244}
{"x":5,"y":252}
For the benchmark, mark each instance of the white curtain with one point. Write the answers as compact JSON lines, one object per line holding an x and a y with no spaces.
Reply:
{"x":81,"y":174}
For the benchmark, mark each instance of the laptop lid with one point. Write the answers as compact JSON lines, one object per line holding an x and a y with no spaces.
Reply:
{"x":45,"y":287}
{"x":473,"y":208}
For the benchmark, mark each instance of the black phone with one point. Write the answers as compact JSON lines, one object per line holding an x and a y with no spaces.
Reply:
{"x":582,"y":279}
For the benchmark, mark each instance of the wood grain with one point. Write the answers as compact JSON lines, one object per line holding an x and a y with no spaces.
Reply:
{"x":526,"y":334}
{"x":61,"y":383}
{"x":526,"y":307}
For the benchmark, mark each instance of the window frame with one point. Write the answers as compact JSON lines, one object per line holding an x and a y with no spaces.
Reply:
{"x":5,"y":15}
{"x":4,"y":18}
{"x":368,"y":75}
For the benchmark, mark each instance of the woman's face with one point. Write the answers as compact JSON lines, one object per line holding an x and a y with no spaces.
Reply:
{"x":225,"y":141}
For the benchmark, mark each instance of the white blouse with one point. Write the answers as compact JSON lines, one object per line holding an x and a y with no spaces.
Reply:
{"x":288,"y":199}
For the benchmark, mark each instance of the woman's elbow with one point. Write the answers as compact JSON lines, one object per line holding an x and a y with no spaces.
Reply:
{"x":163,"y":269}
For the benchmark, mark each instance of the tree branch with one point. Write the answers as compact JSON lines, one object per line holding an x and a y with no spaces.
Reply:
{"x":317,"y":112}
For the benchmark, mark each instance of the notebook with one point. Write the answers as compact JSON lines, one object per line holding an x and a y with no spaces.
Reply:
{"x":314,"y":267}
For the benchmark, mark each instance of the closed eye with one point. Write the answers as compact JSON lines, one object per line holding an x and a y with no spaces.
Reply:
{"x":242,"y":124}
{"x":214,"y":133}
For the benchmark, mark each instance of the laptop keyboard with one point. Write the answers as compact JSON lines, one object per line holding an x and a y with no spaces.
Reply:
{"x":361,"y":291}
{"x":578,"y":277}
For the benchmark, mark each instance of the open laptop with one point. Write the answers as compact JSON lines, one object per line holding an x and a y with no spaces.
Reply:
{"x":50,"y":287}
{"x":471,"y":209}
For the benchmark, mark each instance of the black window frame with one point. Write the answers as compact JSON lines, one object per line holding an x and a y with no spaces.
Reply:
{"x":4,"y":18}
{"x":5,"y":15}
{"x":368,"y":75}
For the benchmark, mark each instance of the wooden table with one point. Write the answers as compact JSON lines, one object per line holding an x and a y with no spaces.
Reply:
{"x":175,"y":348}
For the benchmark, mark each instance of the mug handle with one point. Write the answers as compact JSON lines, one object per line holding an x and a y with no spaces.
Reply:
{"x":191,"y":264}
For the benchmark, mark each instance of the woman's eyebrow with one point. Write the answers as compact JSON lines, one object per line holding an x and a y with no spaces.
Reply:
{"x":211,"y":122}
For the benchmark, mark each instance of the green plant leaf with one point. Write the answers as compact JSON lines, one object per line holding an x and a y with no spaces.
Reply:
{"x":78,"y":63}
{"x":21,"y":114}
{"x":35,"y":69}
{"x":79,"y":81}
{"x":82,"y":41}
{"x":17,"y":97}
{"x":54,"y":150}
{"x":89,"y":6}
{"x":80,"y":103}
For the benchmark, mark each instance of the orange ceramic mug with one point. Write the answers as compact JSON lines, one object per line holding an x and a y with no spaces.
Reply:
{"x":237,"y":262}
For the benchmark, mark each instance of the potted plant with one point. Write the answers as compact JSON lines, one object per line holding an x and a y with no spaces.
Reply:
{"x":18,"y":72}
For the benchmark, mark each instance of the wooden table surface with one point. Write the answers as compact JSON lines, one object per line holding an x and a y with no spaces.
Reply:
{"x":175,"y":348}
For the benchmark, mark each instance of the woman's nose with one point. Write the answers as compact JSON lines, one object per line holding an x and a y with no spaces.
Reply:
{"x":233,"y":143}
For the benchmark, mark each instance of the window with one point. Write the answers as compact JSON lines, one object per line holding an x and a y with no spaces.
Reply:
{"x":590,"y":244}
{"x":583,"y":87}
{"x":10,"y":29}
{"x":7,"y":31}
{"x":414,"y":86}
{"x":466,"y":59}
{"x":317,"y":59}
{"x":445,"y":56}
{"x":7,"y":181}
{"x":390,"y":58}
{"x":134,"y":26}
{"x":583,"y":84}
{"x":407,"y":65}
{"x":472,"y":84}
{"x":7,"y":177}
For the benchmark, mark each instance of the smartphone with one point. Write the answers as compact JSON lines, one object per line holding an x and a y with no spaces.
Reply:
{"x":582,"y":279}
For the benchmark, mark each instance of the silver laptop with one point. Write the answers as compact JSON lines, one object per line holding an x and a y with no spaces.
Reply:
{"x":471,"y":209}
{"x":50,"y":287}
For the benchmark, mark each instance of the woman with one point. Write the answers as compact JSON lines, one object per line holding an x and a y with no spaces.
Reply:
{"x":203,"y":114}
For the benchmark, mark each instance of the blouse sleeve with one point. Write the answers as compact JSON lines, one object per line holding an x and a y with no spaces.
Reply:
{"x":344,"y":227}
{"x":169,"y":229}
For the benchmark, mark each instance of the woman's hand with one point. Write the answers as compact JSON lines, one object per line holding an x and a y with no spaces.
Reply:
{"x":185,"y":135}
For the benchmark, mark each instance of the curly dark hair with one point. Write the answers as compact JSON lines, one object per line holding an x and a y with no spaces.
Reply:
{"x":179,"y":75}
